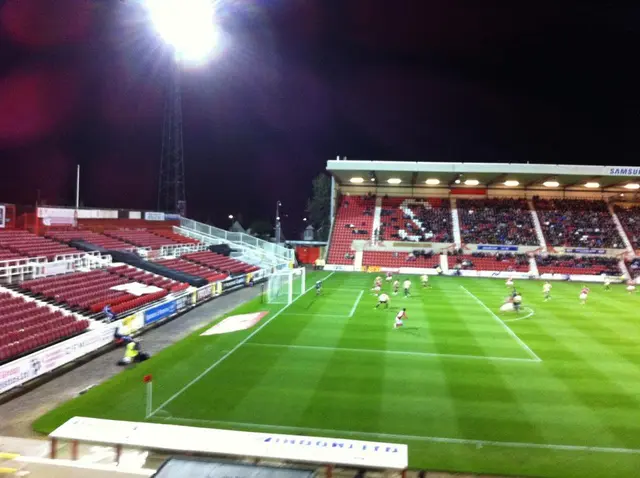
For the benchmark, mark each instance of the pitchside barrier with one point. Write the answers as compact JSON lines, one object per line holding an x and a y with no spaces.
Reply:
{"x":36,"y":365}
{"x":179,"y":439}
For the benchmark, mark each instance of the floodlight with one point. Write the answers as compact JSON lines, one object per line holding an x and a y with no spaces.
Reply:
{"x":472,"y":182}
{"x":187,"y":25}
{"x":394,"y":180}
{"x":432,"y":182}
{"x":592,"y":185}
{"x":632,"y":186}
{"x":551,"y":184}
{"x":356,"y":180}
{"x":511,"y":183}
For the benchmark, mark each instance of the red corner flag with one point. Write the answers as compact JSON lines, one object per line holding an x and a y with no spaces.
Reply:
{"x":147,"y":378}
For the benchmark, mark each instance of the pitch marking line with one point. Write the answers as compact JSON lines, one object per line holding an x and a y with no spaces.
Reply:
{"x":392,"y":352}
{"x":505,"y":326}
{"x":228,"y":354}
{"x":431,"y":439}
{"x":530,"y":314}
{"x":355,"y":305}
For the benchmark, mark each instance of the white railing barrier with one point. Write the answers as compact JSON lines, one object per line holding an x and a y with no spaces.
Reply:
{"x":238,"y":238}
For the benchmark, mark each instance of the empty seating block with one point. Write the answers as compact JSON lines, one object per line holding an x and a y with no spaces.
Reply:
{"x":354,"y":220}
{"x":419,"y":220}
{"x":95,"y":238}
{"x":30,"y":245}
{"x":141,"y":238}
{"x":27,"y":326}
{"x":89,"y":291}
{"x":577,"y":223}
{"x":193,"y":269}
{"x":168,"y":234}
{"x":630,"y":220}
{"x":224,"y":264}
{"x":579,"y":265}
{"x":496,"y":221}
{"x":148,"y":278}
{"x":488,"y":262}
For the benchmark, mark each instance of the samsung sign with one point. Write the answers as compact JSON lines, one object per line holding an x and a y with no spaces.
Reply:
{"x":624,"y":171}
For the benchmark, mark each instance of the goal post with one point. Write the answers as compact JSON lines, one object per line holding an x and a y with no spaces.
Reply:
{"x":286,"y":285}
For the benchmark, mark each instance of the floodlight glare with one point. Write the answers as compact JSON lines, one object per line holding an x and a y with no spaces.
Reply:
{"x":432,"y":182}
{"x":187,"y":25}
{"x":592,"y":185}
{"x":551,"y":184}
{"x":394,"y":180}
{"x":356,"y":180}
{"x":512,"y":183}
{"x":632,"y":186}
{"x":472,"y":182}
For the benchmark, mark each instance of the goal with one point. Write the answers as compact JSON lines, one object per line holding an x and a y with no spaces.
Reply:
{"x":285,"y":286}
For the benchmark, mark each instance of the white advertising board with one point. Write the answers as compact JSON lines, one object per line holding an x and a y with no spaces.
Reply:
{"x":178,"y":438}
{"x":338,"y":268}
{"x":32,"y":366}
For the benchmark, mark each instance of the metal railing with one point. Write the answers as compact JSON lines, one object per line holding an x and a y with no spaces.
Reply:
{"x":238,"y":238}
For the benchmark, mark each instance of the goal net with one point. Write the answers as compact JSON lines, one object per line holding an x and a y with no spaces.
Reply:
{"x":286,"y":285}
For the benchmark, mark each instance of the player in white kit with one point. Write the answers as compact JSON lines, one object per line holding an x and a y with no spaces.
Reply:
{"x":383,"y":299}
{"x":546,"y":290}
{"x":407,"y":286}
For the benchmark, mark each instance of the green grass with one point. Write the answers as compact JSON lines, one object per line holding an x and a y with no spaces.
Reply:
{"x":312,"y":370}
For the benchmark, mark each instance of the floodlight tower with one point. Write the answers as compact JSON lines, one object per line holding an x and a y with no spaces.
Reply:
{"x":188,"y":26}
{"x":171,"y":186}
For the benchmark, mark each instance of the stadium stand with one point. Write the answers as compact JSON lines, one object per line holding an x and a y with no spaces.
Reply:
{"x":577,"y":223}
{"x":148,"y":278}
{"x":486,"y":262}
{"x":634,"y":268}
{"x":177,"y":238}
{"x":417,"y":220}
{"x":8,"y":255}
{"x":89,"y":291}
{"x":219,"y":262}
{"x":141,"y":238}
{"x":400,"y":259}
{"x":587,"y":265}
{"x":27,"y":326}
{"x":354,"y":220}
{"x":91,"y":237}
{"x":630,"y":220}
{"x":30,"y":245}
{"x":193,"y":269}
{"x":496,"y":221}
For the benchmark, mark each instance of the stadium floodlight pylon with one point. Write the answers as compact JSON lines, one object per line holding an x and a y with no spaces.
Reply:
{"x":286,"y":285}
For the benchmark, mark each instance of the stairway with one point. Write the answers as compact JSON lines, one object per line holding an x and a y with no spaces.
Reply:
{"x":457,"y":237}
{"x":623,"y":234}
{"x":623,"y":267}
{"x":533,"y":267}
{"x":376,"y":220}
{"x":404,"y":207}
{"x":538,"y":226}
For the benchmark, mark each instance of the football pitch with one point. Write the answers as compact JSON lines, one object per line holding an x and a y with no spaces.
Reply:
{"x":551,"y":391}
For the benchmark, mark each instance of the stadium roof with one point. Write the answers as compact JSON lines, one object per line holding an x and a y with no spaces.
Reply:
{"x":487,"y":174}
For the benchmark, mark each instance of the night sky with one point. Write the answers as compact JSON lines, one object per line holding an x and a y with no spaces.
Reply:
{"x":301,"y":81}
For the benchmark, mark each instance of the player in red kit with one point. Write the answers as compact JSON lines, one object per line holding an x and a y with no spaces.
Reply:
{"x":400,"y":316}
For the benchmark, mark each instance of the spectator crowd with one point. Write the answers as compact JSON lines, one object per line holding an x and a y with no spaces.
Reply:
{"x":630,"y":219}
{"x":496,"y":221}
{"x":577,"y":223}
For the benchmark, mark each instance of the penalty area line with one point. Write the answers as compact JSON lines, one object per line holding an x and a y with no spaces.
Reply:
{"x":355,"y":305}
{"x":228,"y":354}
{"x":397,"y":436}
{"x":393,"y":352}
{"x":505,"y":326}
